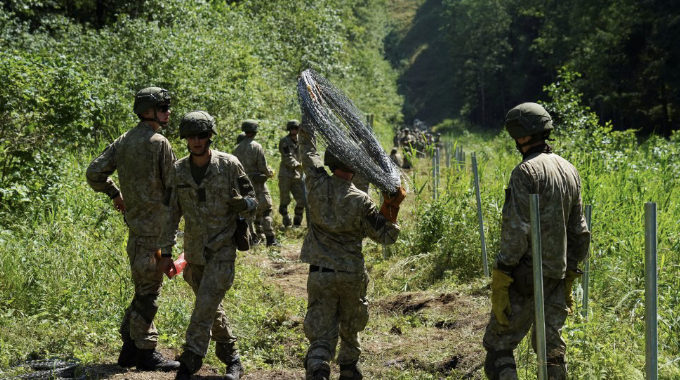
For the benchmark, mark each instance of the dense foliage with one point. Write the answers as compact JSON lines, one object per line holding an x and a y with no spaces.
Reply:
{"x":492,"y":54}
{"x":69,"y":87}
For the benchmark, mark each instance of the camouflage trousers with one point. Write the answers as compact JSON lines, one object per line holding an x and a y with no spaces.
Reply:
{"x":500,"y":341}
{"x":336,"y":307}
{"x":210,"y":283}
{"x":137,"y":322}
{"x":262,"y":216}
{"x":287,"y":186}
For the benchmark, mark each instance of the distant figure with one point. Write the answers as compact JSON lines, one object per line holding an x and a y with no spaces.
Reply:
{"x":209,"y":189}
{"x":251,"y":155}
{"x":143,"y":159}
{"x":564,"y":237}
{"x":240,"y":137}
{"x":340,"y":216}
{"x":290,"y":175}
{"x":396,"y":158}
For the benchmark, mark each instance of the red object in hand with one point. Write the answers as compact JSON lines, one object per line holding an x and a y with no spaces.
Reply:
{"x":177,"y":266}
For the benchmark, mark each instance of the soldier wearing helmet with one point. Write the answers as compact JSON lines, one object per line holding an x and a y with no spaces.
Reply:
{"x":143,"y":159}
{"x":251,"y":155}
{"x":290,"y":175}
{"x":209,"y":188}
{"x":340,"y":217}
{"x":564,"y":236}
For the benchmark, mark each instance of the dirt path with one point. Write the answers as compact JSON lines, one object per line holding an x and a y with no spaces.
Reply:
{"x":409,"y":335}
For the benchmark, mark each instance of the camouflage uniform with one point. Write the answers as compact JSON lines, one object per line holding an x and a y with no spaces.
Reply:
{"x":565,"y":239}
{"x":251,"y":156}
{"x":396,"y":158}
{"x":290,"y":179}
{"x":144,"y":160}
{"x":360,"y":182}
{"x":340,"y":216}
{"x":208,"y":244}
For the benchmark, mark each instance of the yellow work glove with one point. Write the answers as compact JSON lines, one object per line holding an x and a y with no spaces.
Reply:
{"x":500,"y":298}
{"x":569,"y":278}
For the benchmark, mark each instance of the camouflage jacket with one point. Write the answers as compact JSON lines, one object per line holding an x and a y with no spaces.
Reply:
{"x":209,"y":223}
{"x":340,"y":216}
{"x":564,"y":234}
{"x":290,"y":158}
{"x":251,"y":155}
{"x":143,"y":159}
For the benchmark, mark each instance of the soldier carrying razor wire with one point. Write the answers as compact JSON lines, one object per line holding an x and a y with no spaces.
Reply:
{"x":290,"y":175}
{"x":340,"y":216}
{"x":251,"y":155}
{"x":210,"y":189}
{"x":564,"y":236}
{"x":143,"y":159}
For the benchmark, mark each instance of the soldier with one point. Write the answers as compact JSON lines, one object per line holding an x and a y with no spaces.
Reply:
{"x":340,"y":216}
{"x":143,"y":158}
{"x":290,"y":175}
{"x":251,"y":155}
{"x":209,"y":188}
{"x":396,"y":158}
{"x":564,"y":236}
{"x":407,"y":140}
{"x":360,"y":182}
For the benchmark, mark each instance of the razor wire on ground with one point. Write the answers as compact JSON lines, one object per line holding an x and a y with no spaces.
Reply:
{"x":333,"y":117}
{"x":54,"y":368}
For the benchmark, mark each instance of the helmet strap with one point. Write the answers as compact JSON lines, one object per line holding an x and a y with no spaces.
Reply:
{"x":207,"y":149}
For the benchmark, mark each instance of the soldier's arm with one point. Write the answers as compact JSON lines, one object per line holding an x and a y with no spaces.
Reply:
{"x":578,"y":236}
{"x":287,"y":158}
{"x":376,"y":226}
{"x":243,"y":185}
{"x":312,"y":164}
{"x":99,"y":171}
{"x":515,"y":225}
{"x":262,"y":167}
{"x":173,"y":213}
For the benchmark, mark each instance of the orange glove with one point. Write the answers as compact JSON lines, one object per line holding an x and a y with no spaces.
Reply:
{"x":391,"y":202}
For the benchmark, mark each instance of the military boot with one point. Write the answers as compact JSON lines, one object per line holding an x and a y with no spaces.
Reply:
{"x":228,"y":354}
{"x":350,"y":371}
{"x":297,"y":220}
{"x":321,"y":374}
{"x":190,"y":363}
{"x":128,"y":354}
{"x":286,"y":220}
{"x":152,"y":360}
{"x":271,"y":241}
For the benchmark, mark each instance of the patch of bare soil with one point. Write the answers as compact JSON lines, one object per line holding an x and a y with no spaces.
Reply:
{"x":436,"y":333}
{"x":284,"y":268}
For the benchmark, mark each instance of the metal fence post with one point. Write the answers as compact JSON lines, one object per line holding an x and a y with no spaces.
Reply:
{"x":651,"y":322}
{"x":586,"y":266}
{"x":480,"y":217}
{"x":537,"y":260}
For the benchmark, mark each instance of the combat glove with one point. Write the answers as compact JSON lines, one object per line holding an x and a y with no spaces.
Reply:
{"x":500,"y":297}
{"x":569,"y":278}
{"x":237,"y":203}
{"x":391,"y":202}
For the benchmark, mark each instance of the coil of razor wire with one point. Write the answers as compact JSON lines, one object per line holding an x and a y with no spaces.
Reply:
{"x":54,"y":368}
{"x":342,"y":128}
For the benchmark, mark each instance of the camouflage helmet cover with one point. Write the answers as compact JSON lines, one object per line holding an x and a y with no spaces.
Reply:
{"x":196,"y":122}
{"x":249,"y":125}
{"x":292,"y":124}
{"x":527,"y":119}
{"x":150,"y":97}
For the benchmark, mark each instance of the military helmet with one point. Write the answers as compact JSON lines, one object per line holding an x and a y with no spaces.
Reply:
{"x":330,"y":160}
{"x":527,"y":119}
{"x":249,"y":125}
{"x":292,"y":124}
{"x":196,"y":122}
{"x":150,"y":97}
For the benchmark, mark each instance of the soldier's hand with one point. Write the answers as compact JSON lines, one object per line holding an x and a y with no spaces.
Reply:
{"x":119,"y":203}
{"x":500,"y":297}
{"x":237,"y":203}
{"x":164,"y":264}
{"x":569,"y":278}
